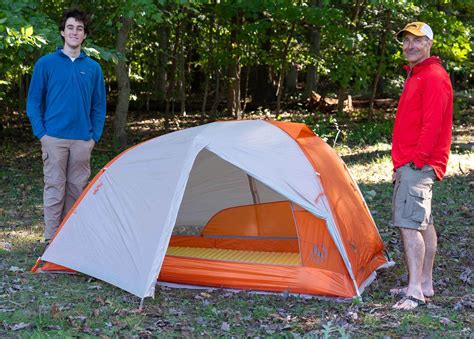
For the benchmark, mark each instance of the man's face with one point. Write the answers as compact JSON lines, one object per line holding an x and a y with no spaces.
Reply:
{"x":74,"y":33}
{"x":416,"y":48}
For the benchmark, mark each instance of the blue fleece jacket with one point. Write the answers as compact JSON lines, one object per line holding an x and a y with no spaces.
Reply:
{"x":66,"y":98}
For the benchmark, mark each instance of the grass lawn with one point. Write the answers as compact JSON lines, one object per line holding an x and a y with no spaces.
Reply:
{"x":76,"y":305}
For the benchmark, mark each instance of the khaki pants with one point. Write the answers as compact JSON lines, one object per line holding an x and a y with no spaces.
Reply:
{"x":66,"y":168}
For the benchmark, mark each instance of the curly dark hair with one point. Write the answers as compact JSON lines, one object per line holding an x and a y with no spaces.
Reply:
{"x":76,"y":14}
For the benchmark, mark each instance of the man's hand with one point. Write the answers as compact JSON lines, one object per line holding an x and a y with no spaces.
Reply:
{"x":394,"y":177}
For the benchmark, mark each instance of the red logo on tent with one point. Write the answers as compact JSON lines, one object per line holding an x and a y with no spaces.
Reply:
{"x":96,"y":189}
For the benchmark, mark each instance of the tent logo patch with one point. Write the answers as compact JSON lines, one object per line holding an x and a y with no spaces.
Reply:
{"x":96,"y":189}
{"x":319,"y":254}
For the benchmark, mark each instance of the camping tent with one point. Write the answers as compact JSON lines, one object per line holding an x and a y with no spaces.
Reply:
{"x":276,"y":208}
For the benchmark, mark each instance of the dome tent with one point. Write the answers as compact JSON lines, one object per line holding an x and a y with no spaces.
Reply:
{"x":277,"y":209}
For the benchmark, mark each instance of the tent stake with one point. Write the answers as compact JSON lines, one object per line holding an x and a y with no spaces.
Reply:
{"x":140,"y":308}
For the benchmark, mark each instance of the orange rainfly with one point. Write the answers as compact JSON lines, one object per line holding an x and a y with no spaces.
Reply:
{"x":359,"y":233}
{"x":257,"y":233}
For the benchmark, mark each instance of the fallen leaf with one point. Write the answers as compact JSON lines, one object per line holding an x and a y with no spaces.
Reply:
{"x":277,"y":316}
{"x":352,"y":316}
{"x":6,"y":246}
{"x":162,"y":323}
{"x":86,"y":329}
{"x":205,"y":295}
{"x":445,"y":321}
{"x":80,"y":318}
{"x":225,"y":326}
{"x":5,"y":310}
{"x":466,"y":276}
{"x":286,"y":327}
{"x":463,"y":304}
{"x":100,"y":300}
{"x":19,"y":326}
{"x":55,"y":312}
{"x":15,"y":269}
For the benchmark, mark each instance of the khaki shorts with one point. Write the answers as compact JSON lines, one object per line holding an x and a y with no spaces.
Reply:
{"x":411,"y":203}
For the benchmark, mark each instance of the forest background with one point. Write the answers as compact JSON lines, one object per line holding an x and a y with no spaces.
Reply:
{"x":228,"y":58}
{"x":173,"y":64}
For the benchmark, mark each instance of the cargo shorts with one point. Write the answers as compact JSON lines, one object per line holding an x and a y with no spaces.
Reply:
{"x":412,"y":193}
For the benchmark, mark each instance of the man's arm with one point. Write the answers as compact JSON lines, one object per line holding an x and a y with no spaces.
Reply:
{"x":98,"y":106}
{"x":434,"y":102}
{"x":36,"y":96}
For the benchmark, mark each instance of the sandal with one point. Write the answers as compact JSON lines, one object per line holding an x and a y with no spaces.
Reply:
{"x":408,"y":303}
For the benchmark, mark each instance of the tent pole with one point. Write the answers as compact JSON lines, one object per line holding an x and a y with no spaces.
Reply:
{"x":140,"y":308}
{"x":356,"y":288}
{"x":253,"y":190}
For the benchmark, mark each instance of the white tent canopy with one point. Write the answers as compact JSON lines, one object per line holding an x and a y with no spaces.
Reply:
{"x":120,"y":230}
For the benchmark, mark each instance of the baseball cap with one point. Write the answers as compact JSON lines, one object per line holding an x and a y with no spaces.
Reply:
{"x":417,"y":28}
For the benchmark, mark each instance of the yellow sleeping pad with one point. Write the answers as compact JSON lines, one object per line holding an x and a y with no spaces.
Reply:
{"x":256,"y":257}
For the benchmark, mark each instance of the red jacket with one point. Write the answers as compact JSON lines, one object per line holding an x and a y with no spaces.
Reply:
{"x":422,"y":131}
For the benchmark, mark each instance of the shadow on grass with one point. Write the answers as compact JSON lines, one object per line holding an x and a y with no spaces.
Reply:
{"x":364,"y":157}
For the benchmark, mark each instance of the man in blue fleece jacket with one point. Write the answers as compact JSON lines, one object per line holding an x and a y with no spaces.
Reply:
{"x":66,"y":107}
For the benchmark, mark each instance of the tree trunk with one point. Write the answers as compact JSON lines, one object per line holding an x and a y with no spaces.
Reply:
{"x":217,"y":77}
{"x":209,"y":66}
{"x":162,"y":75}
{"x":283,"y":68}
{"x":217,"y":97}
{"x":312,"y":76}
{"x":204,"y":98}
{"x":21,"y":92}
{"x":247,"y":73}
{"x":233,"y":94}
{"x":233,"y":73}
{"x":170,"y":95}
{"x":341,"y":97}
{"x":354,"y":25}
{"x":123,"y":83}
{"x":291,"y":79}
{"x":182,"y":82}
{"x":261,"y":87}
{"x":382,"y":49}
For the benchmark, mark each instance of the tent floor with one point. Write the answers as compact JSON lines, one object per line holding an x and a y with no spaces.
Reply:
{"x":254,"y":257}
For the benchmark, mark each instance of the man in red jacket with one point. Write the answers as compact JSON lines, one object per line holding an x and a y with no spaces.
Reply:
{"x":420,"y":149}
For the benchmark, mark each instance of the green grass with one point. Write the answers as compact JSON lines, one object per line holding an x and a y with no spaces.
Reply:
{"x":61,"y":305}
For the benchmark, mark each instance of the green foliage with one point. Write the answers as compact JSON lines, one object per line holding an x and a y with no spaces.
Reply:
{"x":350,"y":133}
{"x":371,"y":132}
{"x":211,"y":35}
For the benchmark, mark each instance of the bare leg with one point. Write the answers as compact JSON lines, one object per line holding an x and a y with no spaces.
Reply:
{"x":431,"y":244}
{"x":414,"y":246}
